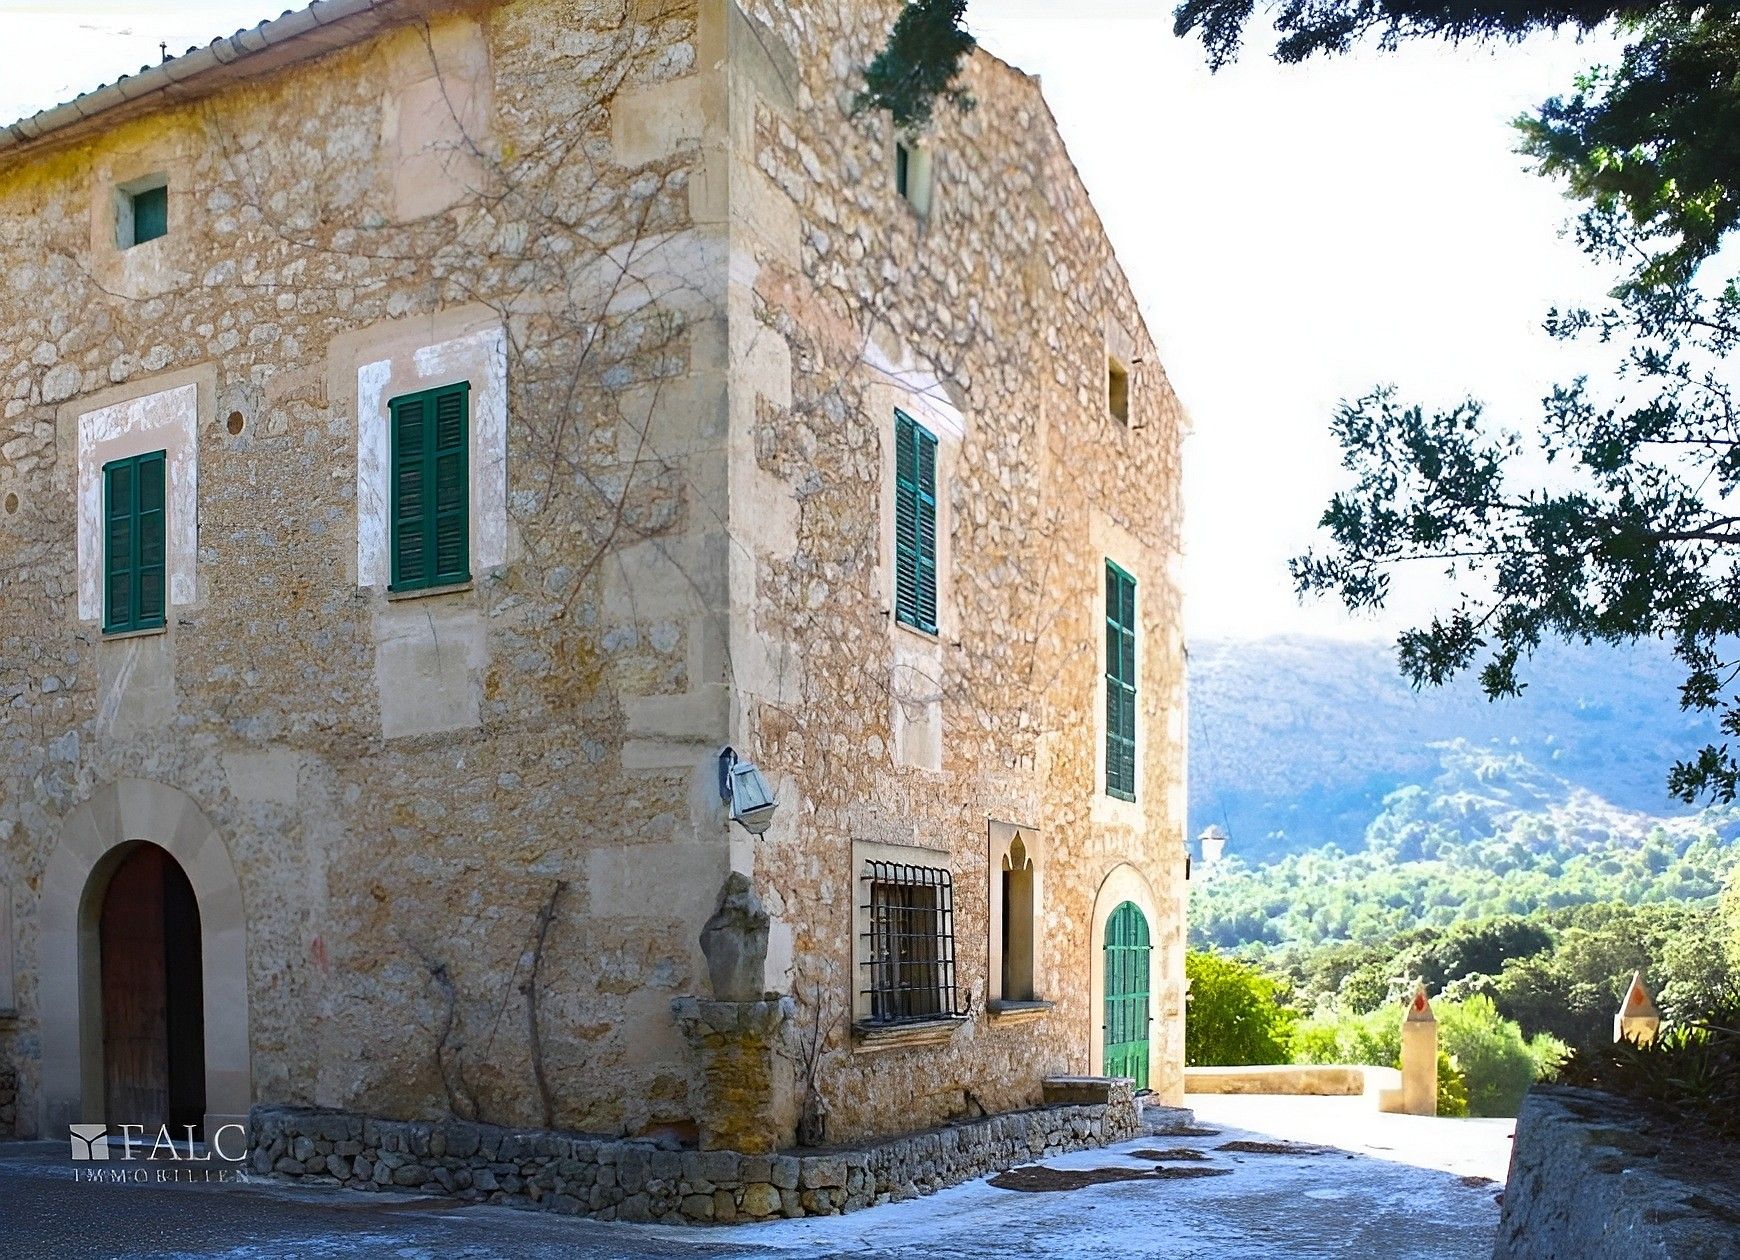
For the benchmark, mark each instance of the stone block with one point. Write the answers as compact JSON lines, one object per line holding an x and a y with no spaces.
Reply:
{"x":760,"y":1199}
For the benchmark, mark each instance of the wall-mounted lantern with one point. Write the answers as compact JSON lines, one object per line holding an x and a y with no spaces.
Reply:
{"x":744,"y":789}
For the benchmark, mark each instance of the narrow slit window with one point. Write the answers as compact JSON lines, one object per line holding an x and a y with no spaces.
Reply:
{"x":912,"y":175}
{"x":1019,"y":924}
{"x":915,"y":542}
{"x":1120,"y":683}
{"x":431,"y":488}
{"x":1118,"y":391}
{"x":135,"y":534}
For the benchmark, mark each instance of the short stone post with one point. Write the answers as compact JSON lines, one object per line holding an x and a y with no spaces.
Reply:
{"x":1638,"y":1019}
{"x":744,"y":1095}
{"x":1419,"y":1056}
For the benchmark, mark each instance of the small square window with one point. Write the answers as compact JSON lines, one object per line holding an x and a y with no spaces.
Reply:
{"x":142,"y":211}
{"x":1118,"y":390}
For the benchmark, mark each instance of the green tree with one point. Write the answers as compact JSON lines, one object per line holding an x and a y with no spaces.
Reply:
{"x":1234,"y":1014}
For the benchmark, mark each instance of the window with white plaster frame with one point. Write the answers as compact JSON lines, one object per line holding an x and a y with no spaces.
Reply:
{"x":479,"y":357}
{"x":166,"y":420}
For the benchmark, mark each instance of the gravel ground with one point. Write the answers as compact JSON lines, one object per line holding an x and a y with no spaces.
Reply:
{"x":1389,"y":1187}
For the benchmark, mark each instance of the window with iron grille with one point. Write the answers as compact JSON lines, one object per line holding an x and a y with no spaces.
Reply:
{"x":1120,"y":683}
{"x":914,"y":524}
{"x":909,"y":951}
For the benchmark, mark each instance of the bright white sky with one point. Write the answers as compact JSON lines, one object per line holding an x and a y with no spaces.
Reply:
{"x":1295,"y":235}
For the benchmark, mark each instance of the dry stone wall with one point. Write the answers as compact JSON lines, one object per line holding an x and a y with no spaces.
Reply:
{"x":639,"y":1181}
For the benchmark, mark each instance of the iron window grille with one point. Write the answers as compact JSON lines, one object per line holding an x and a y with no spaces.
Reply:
{"x":909,"y":949}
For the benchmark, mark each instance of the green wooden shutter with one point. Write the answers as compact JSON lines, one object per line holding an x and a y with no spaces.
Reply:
{"x":914,"y":524}
{"x":431,"y":488}
{"x":1120,"y":683}
{"x":135,"y":544}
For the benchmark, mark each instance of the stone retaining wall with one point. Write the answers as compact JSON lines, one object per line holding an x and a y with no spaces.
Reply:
{"x":638,"y":1181}
{"x":1589,"y":1177}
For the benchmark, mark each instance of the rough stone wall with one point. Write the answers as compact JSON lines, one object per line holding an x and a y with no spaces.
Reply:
{"x":710,"y":301}
{"x":1590,"y":1176}
{"x":570,"y":701}
{"x":992,"y":315}
{"x":636,"y":1181}
{"x":8,"y":1102}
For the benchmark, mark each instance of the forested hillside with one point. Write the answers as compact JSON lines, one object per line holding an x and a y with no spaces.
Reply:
{"x":1297,"y":743}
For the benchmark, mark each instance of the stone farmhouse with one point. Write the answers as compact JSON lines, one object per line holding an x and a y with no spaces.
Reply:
{"x":440,"y":439}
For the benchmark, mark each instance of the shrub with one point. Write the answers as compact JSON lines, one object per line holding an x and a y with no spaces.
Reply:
{"x":1690,"y":1073}
{"x":1494,"y":1062}
{"x":1234,"y":1016}
{"x":1491,"y":1052}
{"x":1452,"y":1087}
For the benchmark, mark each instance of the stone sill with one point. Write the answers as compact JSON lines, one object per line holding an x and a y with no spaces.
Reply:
{"x":1018,"y":1012}
{"x":421,"y":592}
{"x":869,"y":1038}
{"x":115,"y":636}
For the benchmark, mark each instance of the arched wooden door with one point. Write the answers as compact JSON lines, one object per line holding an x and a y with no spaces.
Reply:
{"x":1126,"y":1030}
{"x":153,"y":995}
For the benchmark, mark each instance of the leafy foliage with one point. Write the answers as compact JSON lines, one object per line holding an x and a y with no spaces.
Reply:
{"x":1235,"y":1015}
{"x":1691,"y":1072}
{"x":1452,"y":1087}
{"x":920,"y":63}
{"x":1491,"y":1063}
{"x":1308,"y":27}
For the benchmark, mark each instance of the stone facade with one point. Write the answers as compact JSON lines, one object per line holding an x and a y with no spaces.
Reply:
{"x":8,"y":1102}
{"x":428,"y":833}
{"x":638,"y":1181}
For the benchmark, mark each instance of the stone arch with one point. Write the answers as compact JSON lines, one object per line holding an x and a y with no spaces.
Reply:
{"x":1122,"y":883}
{"x":92,"y":841}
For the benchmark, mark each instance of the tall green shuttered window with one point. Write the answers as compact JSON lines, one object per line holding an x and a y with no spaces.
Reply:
{"x":431,"y":508}
{"x":1120,"y":683}
{"x":914,"y":524}
{"x":135,"y":530}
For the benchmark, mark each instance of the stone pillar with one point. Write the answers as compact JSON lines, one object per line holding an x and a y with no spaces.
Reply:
{"x":743,"y":1093}
{"x":1638,"y":1019}
{"x":1419,"y":1056}
{"x":744,"y":1097}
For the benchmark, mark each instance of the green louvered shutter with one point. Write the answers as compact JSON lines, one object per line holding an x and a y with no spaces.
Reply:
{"x":431,"y":488}
{"x":1120,"y":683}
{"x":914,"y":524}
{"x":135,"y":544}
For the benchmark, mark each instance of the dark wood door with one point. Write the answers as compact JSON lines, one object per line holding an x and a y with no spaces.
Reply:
{"x":153,"y":995}
{"x":135,"y":995}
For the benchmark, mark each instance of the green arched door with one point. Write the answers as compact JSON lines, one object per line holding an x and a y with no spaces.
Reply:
{"x":1126,"y":1027}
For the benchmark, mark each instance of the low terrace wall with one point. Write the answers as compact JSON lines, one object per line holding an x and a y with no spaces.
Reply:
{"x":638,"y":1181}
{"x":1590,"y":1177}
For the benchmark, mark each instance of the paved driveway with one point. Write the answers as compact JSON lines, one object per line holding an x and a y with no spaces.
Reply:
{"x":1395,"y":1188}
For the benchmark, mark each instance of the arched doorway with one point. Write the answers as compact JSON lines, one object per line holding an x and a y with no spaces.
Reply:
{"x":1127,"y":990}
{"x":153,"y":994}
